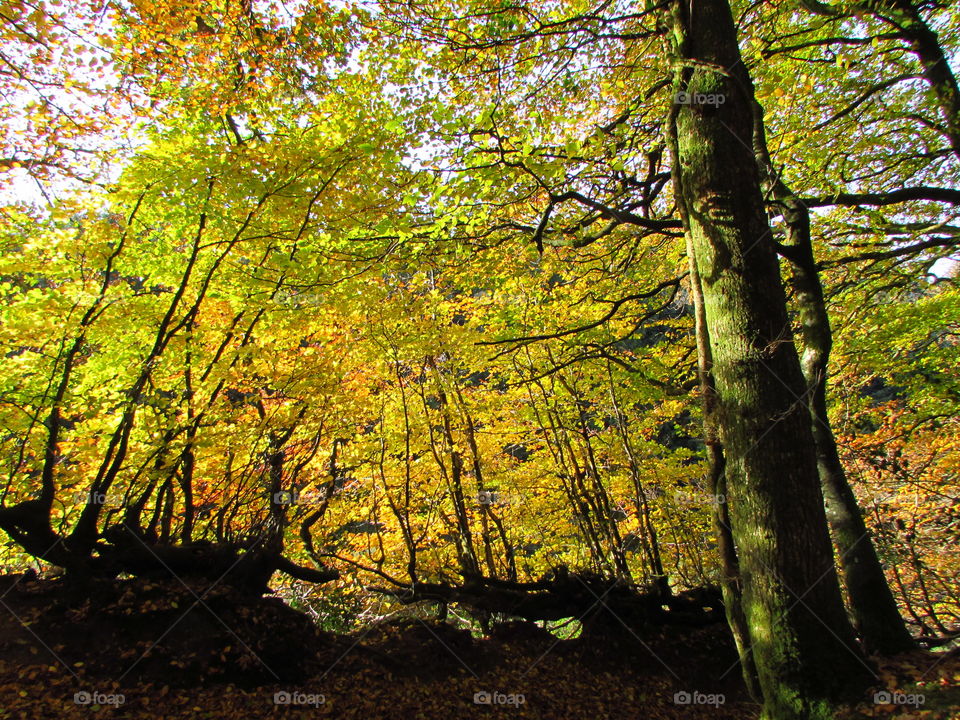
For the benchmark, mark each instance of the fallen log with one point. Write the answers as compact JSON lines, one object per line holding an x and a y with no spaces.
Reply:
{"x":246,"y":568}
{"x":570,"y":595}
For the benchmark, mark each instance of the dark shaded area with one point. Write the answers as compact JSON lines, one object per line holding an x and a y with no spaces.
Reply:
{"x":187,"y":634}
{"x":192,"y":649}
{"x":564,"y":594}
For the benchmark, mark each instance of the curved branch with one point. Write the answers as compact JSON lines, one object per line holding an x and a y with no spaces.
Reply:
{"x":932,"y":194}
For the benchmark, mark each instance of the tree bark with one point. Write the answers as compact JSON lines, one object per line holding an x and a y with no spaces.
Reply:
{"x":803,"y":644}
{"x":876,"y":616}
{"x":732,"y":582}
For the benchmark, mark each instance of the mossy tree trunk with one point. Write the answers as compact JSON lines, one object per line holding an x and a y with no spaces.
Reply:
{"x":802,"y":643}
{"x":875,"y":613}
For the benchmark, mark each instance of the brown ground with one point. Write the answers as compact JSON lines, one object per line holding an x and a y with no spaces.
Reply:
{"x":171,"y":656}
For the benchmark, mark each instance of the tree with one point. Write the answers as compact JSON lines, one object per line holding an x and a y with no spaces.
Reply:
{"x":407,"y":293}
{"x":873,"y":606}
{"x":790,"y":588}
{"x":876,"y":616}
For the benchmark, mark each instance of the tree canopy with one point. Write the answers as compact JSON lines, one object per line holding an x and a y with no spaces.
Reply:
{"x":411,"y":304}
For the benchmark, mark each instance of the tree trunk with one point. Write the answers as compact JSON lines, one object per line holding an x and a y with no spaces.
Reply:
{"x":874,"y":608}
{"x":803,"y":644}
{"x":732,"y":581}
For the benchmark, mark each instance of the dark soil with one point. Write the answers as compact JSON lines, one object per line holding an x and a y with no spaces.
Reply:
{"x":186,"y":650}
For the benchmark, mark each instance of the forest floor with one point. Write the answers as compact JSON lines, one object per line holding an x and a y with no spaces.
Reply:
{"x":144,"y":649}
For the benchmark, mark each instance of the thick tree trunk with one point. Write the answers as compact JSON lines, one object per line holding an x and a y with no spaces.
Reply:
{"x":802,"y":642}
{"x":874,"y":608}
{"x":732,"y":582}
